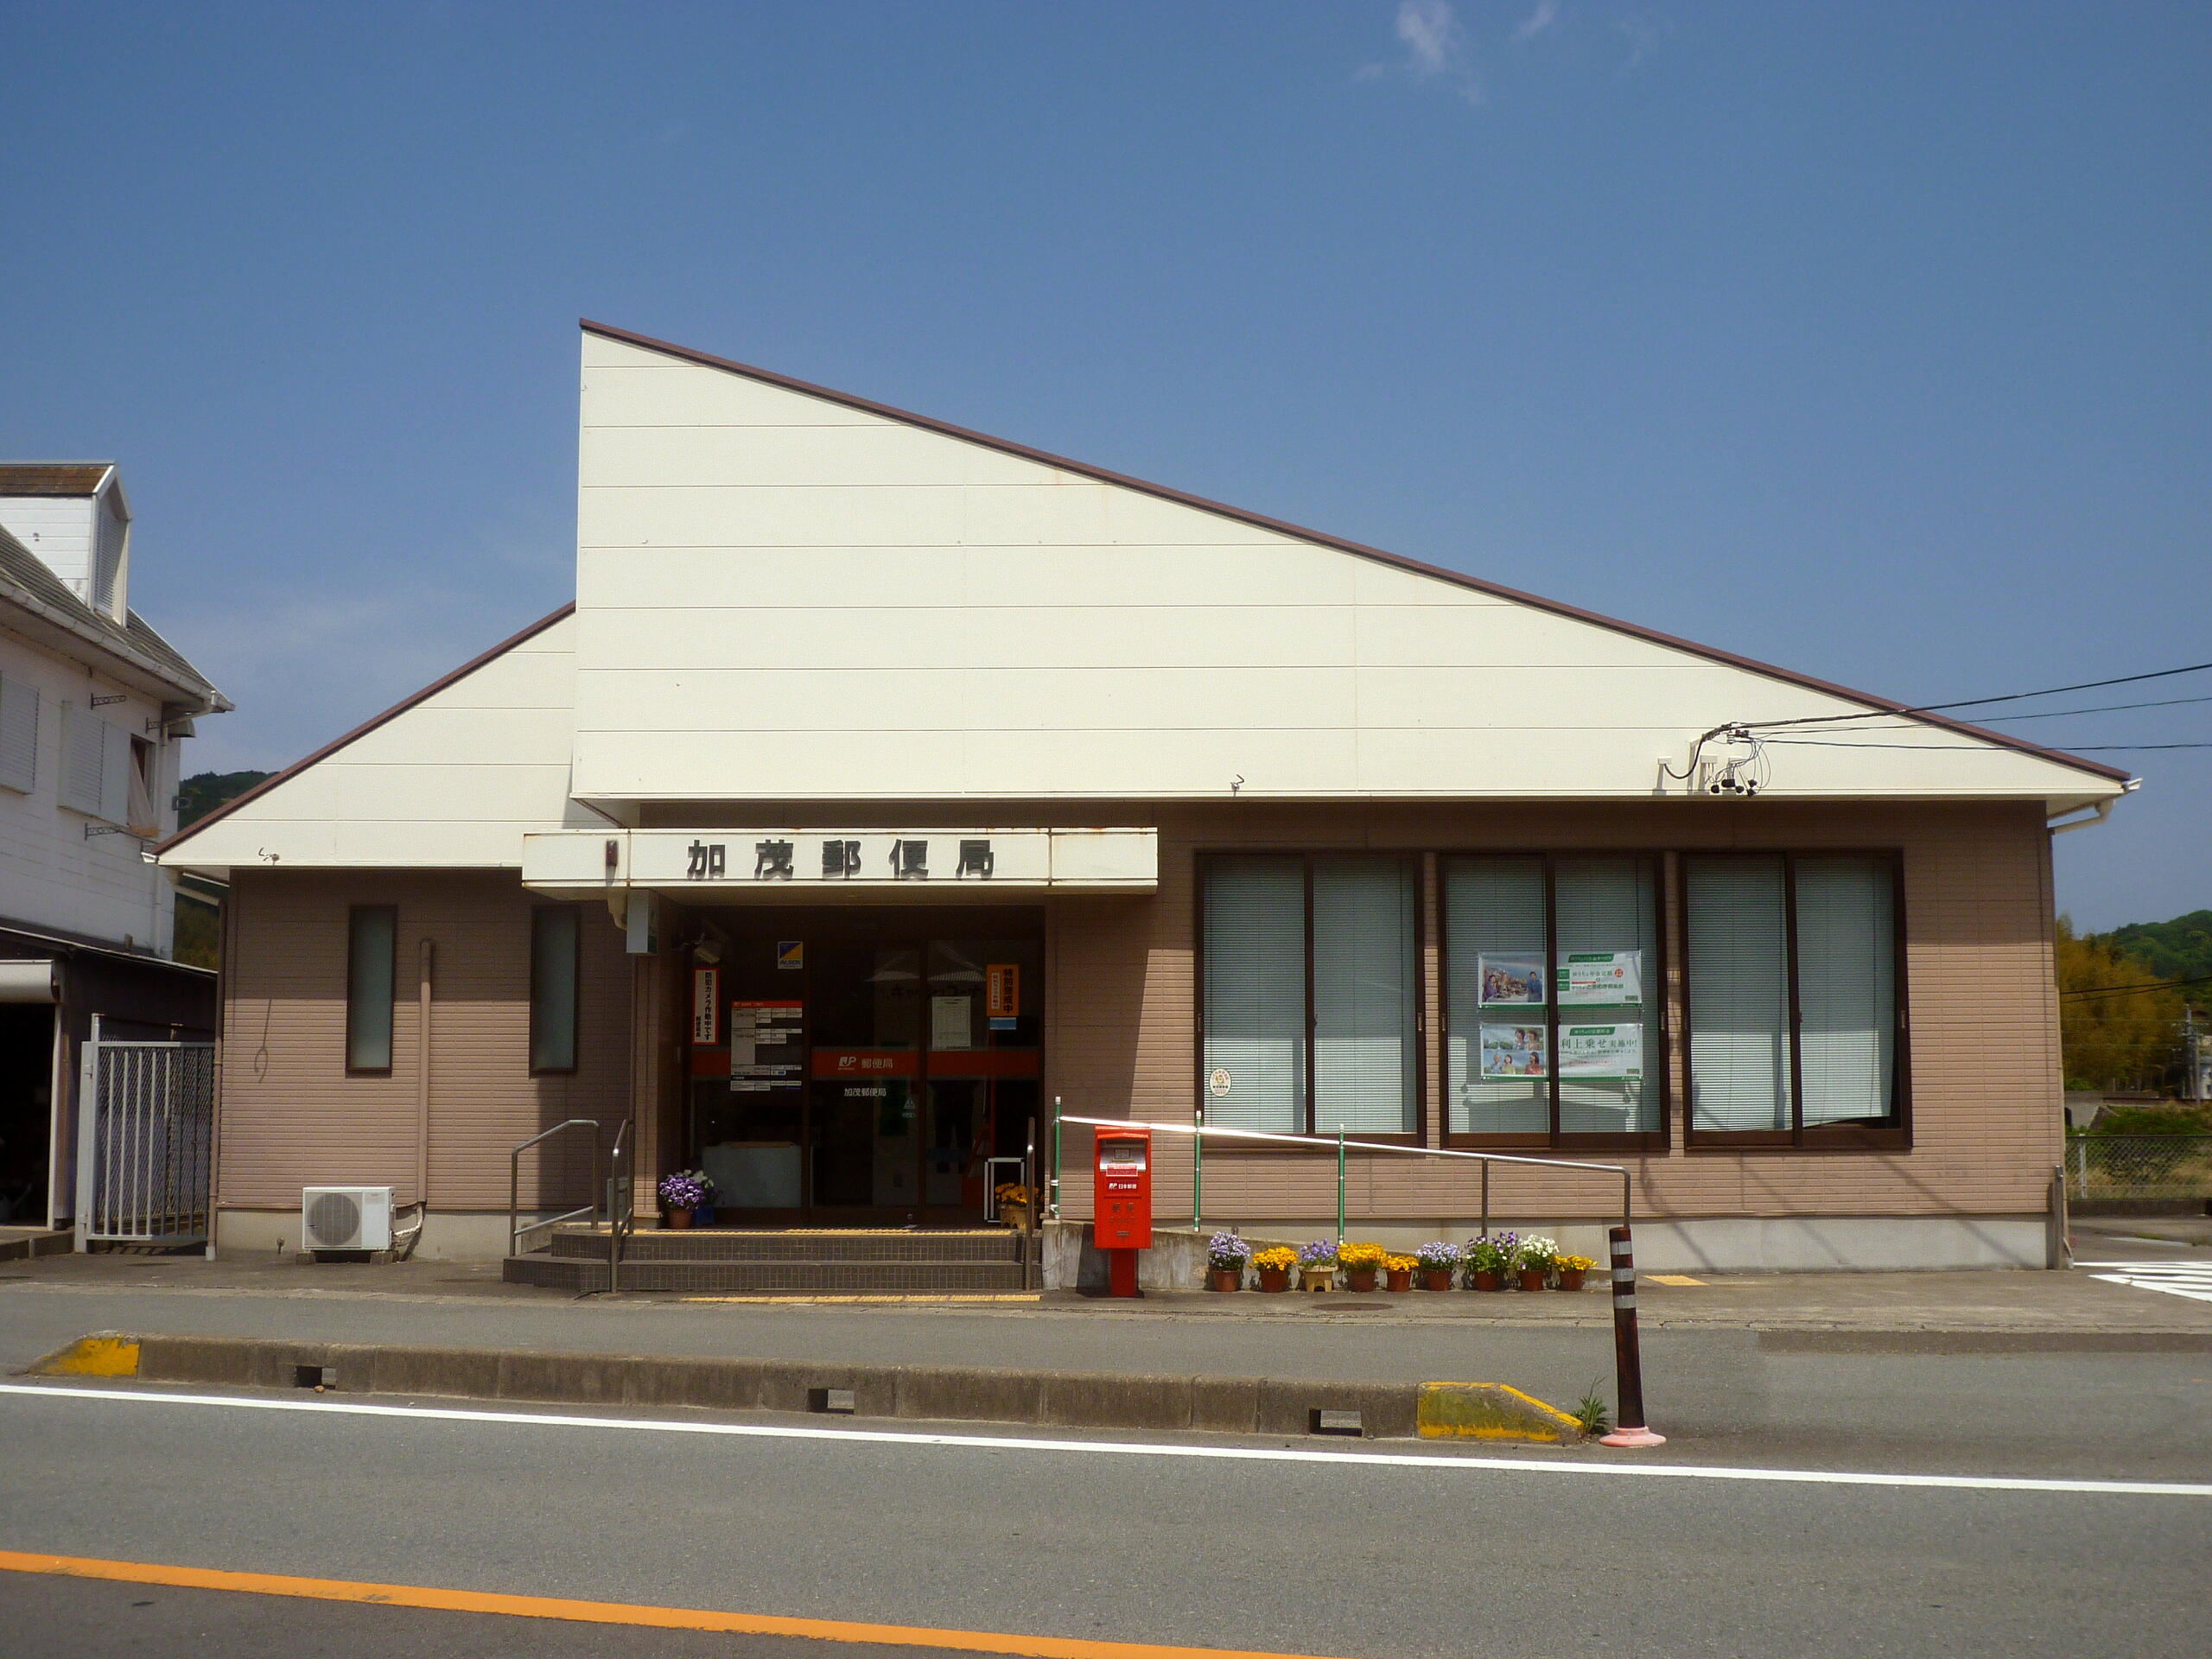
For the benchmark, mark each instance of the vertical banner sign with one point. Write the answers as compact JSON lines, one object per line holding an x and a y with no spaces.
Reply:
{"x":1003,"y":994}
{"x":707,"y":1007}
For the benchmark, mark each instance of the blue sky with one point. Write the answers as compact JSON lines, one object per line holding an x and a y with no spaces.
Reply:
{"x":1871,"y":340}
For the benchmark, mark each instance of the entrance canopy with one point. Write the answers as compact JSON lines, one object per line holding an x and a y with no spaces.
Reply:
{"x":790,"y":863}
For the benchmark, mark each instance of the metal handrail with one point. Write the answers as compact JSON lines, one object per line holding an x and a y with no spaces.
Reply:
{"x":1341,"y":1145}
{"x":514,"y":1183}
{"x":621,"y":1204}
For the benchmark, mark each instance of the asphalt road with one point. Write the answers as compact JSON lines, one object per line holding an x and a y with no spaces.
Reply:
{"x":1425,"y":1555}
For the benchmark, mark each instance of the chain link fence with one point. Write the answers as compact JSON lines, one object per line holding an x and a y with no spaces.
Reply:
{"x":2139,"y":1168}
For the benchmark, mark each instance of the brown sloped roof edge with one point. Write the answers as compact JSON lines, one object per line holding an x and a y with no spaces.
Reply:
{"x":365,"y":727}
{"x":1399,"y":561}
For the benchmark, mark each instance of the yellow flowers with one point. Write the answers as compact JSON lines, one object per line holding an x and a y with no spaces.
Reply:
{"x":1361,"y":1257}
{"x":1276,"y":1258}
{"x":1574,"y":1263}
{"x":1399,"y":1264}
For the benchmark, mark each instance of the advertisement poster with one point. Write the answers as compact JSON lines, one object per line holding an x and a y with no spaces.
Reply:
{"x":1608,"y":979}
{"x":706,"y":1005}
{"x":1601,"y":1052}
{"x":950,"y":1021}
{"x":1510,"y":982}
{"x":1002,"y":994}
{"x":1513,"y":1051}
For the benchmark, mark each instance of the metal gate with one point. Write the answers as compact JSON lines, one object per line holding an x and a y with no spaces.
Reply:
{"x":145,"y":1139}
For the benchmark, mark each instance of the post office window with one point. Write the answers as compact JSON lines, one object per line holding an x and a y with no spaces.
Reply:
{"x":1794,"y":997}
{"x":370,"y":970}
{"x":1553,"y":990}
{"x":1310,"y":994}
{"x":555,"y":939}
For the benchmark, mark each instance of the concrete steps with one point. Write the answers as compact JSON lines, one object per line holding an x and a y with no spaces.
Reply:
{"x":826,"y":1262}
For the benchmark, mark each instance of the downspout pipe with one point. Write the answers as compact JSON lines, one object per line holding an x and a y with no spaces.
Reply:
{"x":427,"y":959}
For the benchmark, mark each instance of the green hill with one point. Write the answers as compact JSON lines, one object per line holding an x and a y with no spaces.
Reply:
{"x":2180,"y":948}
{"x":203,"y":793}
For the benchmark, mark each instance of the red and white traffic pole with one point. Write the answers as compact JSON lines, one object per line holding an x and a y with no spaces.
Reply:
{"x":1628,"y":1359}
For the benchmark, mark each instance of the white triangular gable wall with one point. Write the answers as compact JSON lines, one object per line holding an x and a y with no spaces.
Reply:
{"x":455,"y":781}
{"x":780,"y":596}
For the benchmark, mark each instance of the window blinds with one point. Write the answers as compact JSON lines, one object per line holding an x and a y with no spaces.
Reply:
{"x":1610,"y":904}
{"x":1846,"y":989}
{"x":18,"y":735}
{"x":1363,"y":996}
{"x":1739,"y":972}
{"x":1254,"y":990}
{"x":84,"y":759}
{"x":1494,"y":907}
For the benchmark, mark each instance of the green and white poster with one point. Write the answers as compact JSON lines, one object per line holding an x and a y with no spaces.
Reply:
{"x":1595,"y":1052}
{"x":1601,"y":979}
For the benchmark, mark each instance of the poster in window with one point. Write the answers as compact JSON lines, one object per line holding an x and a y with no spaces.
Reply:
{"x":1510,"y":982}
{"x":1002,"y":994}
{"x":1601,"y":1053}
{"x":951,"y":1021}
{"x":1513,"y":1051}
{"x":706,"y":1005}
{"x":1602,"y":979}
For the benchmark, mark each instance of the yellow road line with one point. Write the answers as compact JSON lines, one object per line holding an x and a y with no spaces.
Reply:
{"x":1672,"y":1279}
{"x":610,"y":1613}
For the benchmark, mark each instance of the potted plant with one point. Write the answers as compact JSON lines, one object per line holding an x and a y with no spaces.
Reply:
{"x":683,"y":1194}
{"x":1013,"y":1200}
{"x":1571,"y":1269}
{"x":1275,"y":1264}
{"x":1398,"y":1272}
{"x":1436,"y":1262}
{"x":1532,"y":1260}
{"x":1361,"y":1262}
{"x":1317,"y":1264}
{"x":1226,"y":1257}
{"x":1485,"y":1259}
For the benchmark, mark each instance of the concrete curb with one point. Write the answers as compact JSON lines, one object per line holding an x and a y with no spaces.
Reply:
{"x":1226,"y":1405}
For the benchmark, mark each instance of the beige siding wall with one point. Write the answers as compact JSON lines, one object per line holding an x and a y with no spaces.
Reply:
{"x":291,"y":1116}
{"x":1122,"y":1032}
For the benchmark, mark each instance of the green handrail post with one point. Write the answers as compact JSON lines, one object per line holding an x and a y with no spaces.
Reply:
{"x":1056,"y":1157}
{"x":1199,"y":1171}
{"x":1340,"y":1186}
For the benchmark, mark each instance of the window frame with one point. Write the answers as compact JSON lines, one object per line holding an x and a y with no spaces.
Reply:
{"x":575,"y":912}
{"x":1893,"y":1137}
{"x":1411,"y":863}
{"x":353,"y":914}
{"x":1657,"y":982}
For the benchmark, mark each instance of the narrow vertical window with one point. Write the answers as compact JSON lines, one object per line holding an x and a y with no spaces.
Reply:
{"x":1846,"y":989}
{"x":1737,"y":934}
{"x":1364,"y":998}
{"x":1254,"y":992}
{"x":370,"y":966}
{"x":554,"y":941}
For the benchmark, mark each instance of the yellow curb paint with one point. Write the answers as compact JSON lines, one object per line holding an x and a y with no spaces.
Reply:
{"x":611,"y":1612}
{"x":1672,"y":1279}
{"x":1489,"y":1411}
{"x":92,"y":1356}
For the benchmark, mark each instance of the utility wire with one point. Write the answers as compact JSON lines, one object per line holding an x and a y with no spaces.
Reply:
{"x":2047,"y":713}
{"x":1971,"y":703}
{"x":2131,"y":990}
{"x":1972,"y":748}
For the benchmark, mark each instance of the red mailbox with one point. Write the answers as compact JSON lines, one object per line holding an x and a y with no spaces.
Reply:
{"x":1121,"y":1198}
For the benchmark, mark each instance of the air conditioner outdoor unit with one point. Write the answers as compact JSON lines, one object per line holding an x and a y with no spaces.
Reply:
{"x":345,"y":1218}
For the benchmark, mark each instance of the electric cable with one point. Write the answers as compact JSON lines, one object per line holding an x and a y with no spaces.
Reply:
{"x":1973,"y":703}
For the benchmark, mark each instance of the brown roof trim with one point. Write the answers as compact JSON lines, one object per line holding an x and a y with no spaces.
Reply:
{"x":54,"y":477}
{"x":365,"y":727}
{"x":1886,"y":705}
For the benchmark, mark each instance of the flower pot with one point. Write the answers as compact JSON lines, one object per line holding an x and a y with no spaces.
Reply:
{"x":1533,"y":1278}
{"x":1359,"y":1278}
{"x":1225,"y":1278}
{"x":1274,"y":1278}
{"x":1571,"y":1278}
{"x":1015,"y":1215}
{"x":1436,"y":1278}
{"x":1481,"y":1279}
{"x":679,"y":1219}
{"x":1398,"y":1279}
{"x":1317,"y":1277}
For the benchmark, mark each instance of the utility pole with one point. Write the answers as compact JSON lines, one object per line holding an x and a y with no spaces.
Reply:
{"x":2192,"y":1057}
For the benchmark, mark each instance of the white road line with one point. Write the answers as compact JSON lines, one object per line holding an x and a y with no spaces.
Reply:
{"x":2190,"y":1279}
{"x":1122,"y":1449}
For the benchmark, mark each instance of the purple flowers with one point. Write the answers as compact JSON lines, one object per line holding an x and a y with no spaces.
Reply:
{"x":1318,"y":1253}
{"x":1226,"y":1253}
{"x":687,"y":1189}
{"x":1442,"y":1255}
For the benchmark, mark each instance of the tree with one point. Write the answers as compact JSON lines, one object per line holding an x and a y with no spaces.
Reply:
{"x":2123,"y":1037}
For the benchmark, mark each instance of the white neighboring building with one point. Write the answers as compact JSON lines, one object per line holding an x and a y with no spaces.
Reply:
{"x":94,"y":710}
